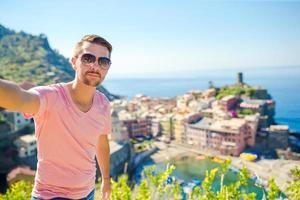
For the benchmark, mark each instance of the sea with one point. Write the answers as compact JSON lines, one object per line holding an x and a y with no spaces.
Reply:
{"x":282,"y":83}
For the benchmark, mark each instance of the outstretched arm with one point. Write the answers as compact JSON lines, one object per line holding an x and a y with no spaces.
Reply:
{"x":14,"y":98}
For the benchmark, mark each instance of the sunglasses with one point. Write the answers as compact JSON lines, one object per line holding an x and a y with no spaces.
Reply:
{"x":90,"y":59}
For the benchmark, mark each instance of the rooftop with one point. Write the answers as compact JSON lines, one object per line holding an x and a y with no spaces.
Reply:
{"x":28,"y":138}
{"x":225,"y":126}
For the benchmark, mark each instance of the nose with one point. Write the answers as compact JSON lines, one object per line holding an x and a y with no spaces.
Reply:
{"x":95,"y":66}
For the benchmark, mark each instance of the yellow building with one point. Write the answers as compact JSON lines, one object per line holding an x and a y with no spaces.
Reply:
{"x":178,"y":125}
{"x":166,"y":126}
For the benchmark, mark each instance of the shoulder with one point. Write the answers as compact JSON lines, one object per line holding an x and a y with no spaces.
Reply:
{"x":46,"y":89}
{"x":48,"y":92}
{"x":102,"y":99}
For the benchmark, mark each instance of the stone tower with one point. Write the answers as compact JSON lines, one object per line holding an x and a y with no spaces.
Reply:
{"x":240,"y":78}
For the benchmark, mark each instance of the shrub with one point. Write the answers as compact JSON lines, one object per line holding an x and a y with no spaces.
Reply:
{"x":20,"y":190}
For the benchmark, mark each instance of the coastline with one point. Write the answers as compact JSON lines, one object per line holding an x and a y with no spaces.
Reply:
{"x":262,"y":169}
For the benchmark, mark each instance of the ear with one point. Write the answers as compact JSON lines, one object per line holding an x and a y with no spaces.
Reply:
{"x":73,"y":62}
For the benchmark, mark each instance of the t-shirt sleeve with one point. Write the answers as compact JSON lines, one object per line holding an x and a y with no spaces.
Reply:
{"x":108,"y":125}
{"x":43,"y":93}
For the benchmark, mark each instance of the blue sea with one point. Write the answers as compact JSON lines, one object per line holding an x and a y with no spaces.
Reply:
{"x":283,"y":84}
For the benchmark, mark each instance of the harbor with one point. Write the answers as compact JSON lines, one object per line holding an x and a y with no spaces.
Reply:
{"x":261,"y":170}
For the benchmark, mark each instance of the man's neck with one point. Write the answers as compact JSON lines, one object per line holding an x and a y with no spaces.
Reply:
{"x":81,"y":93}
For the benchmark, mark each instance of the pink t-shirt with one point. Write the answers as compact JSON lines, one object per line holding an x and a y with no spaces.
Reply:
{"x":66,"y":142}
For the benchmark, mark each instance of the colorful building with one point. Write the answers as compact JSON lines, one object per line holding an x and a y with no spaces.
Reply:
{"x":26,"y":145}
{"x":138,"y":127}
{"x":229,"y":137}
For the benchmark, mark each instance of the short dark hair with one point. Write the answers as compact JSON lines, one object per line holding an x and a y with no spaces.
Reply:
{"x":95,"y":39}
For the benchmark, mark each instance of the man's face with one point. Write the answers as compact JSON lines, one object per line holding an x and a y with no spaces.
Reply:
{"x":91,"y":75}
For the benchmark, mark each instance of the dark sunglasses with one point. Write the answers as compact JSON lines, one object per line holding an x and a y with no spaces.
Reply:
{"x":90,"y":59}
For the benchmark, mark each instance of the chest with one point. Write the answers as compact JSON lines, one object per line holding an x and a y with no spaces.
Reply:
{"x":82,"y":127}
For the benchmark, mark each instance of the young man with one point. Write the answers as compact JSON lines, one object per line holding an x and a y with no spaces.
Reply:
{"x":72,"y":121}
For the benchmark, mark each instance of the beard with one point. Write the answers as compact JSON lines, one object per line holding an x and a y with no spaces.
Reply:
{"x":91,"y":81}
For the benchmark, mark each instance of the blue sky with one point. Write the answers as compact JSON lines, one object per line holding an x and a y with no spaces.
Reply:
{"x":162,"y":38}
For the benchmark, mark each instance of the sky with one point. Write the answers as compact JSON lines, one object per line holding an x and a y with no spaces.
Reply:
{"x":166,"y":38}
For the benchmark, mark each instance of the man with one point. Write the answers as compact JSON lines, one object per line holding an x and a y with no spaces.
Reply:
{"x":72,"y":121}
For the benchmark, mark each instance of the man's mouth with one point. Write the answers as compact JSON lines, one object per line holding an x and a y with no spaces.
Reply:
{"x":93,"y":74}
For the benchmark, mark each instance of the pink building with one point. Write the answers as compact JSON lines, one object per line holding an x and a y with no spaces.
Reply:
{"x":138,"y":127}
{"x":228,"y":102}
{"x":229,"y":137}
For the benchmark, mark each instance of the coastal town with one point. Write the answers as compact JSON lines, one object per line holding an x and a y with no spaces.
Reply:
{"x":235,"y":122}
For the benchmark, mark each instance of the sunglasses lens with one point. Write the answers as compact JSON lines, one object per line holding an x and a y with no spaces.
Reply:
{"x":104,"y":62}
{"x":88,"y":58}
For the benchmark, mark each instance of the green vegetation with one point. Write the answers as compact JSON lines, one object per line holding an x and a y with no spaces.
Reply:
{"x":2,"y":118}
{"x":211,"y":85}
{"x":235,"y":90}
{"x":161,"y":186}
{"x":245,"y":111}
{"x":18,"y":191}
{"x":293,"y":190}
{"x":158,"y":186}
{"x":27,"y":57}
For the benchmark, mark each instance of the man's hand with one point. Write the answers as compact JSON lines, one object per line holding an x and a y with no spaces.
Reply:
{"x":105,"y":189}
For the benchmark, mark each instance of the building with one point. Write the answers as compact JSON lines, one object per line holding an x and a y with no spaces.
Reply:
{"x":197,"y":94}
{"x":240,"y":80}
{"x":138,"y":127}
{"x":228,"y":103}
{"x":119,"y":133}
{"x":196,"y":134}
{"x":253,"y":122}
{"x":179,"y":120}
{"x":209,"y":93}
{"x":26,"y":145}
{"x":118,"y":105}
{"x":200,"y":104}
{"x":278,"y":136}
{"x":182,"y":101}
{"x":178,"y":126}
{"x":155,"y":125}
{"x":229,"y":137}
{"x":166,"y":126}
{"x":16,"y":120}
{"x":260,"y":93}
{"x":263,"y":107}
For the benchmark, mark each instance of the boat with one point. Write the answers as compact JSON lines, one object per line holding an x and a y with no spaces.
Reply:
{"x":248,"y":156}
{"x":200,"y":157}
{"x":218,"y":160}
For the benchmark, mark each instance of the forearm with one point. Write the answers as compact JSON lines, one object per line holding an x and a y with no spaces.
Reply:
{"x":103,"y":157}
{"x":10,"y":94}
